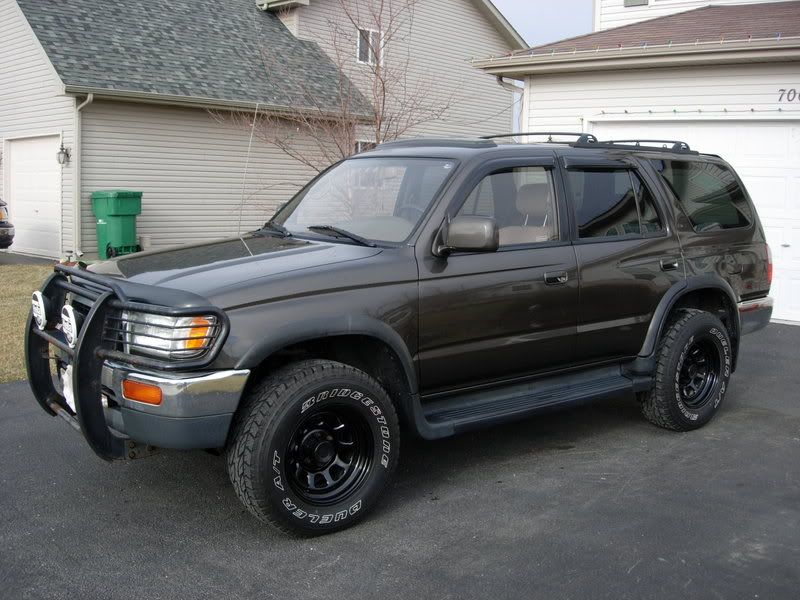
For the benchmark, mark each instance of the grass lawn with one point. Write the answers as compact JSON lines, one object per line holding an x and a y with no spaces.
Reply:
{"x":16,"y":284}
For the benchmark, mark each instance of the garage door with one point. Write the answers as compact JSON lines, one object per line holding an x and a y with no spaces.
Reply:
{"x":767,"y":157}
{"x":33,"y":193}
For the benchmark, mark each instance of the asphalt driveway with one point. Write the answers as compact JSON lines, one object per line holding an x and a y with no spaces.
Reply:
{"x":588,"y":503}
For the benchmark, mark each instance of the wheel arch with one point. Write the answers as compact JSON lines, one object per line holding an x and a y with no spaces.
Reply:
{"x":376,"y":349}
{"x":706,"y":292}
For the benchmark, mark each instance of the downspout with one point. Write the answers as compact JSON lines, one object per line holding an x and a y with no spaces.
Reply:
{"x":515,"y":89}
{"x":77,"y":189}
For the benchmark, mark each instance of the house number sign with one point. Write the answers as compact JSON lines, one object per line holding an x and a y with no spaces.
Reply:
{"x":789,"y":95}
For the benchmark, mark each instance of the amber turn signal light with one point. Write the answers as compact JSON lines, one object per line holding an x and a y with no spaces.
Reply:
{"x":199,"y":333}
{"x":141,"y":392}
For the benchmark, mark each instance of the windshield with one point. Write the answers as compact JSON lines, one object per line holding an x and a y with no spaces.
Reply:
{"x":377,"y":199}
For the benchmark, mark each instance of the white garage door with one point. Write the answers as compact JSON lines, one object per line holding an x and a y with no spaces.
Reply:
{"x":767,"y":157}
{"x":33,"y":193}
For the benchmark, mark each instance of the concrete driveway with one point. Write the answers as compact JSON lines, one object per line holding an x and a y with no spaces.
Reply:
{"x":588,"y":503}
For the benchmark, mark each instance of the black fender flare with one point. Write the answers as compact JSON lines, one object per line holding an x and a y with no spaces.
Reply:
{"x":671,"y":298}
{"x":315,"y":329}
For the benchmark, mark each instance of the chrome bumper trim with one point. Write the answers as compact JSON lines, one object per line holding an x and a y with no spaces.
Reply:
{"x":755,"y":314}
{"x":208,"y":394}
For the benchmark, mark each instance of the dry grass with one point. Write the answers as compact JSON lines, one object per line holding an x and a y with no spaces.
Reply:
{"x":16,"y":284}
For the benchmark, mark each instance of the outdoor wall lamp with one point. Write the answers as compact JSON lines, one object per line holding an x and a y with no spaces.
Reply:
{"x":63,"y":155}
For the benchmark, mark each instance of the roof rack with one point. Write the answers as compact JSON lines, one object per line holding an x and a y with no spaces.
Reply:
{"x":668,"y":145}
{"x":438,"y":142}
{"x":583,"y":138}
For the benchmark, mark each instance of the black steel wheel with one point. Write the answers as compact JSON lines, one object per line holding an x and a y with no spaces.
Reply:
{"x":693,"y":368}
{"x":313,"y":447}
{"x":329,"y":456}
{"x":698,"y":373}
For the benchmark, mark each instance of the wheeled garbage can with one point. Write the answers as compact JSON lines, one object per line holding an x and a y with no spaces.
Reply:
{"x":115,"y":213}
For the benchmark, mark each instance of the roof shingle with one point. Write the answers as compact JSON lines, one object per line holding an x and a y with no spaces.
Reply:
{"x":707,"y":24}
{"x":222,"y":50}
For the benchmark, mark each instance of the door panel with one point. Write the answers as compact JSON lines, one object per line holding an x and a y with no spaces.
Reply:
{"x":492,"y":316}
{"x":622,"y":283}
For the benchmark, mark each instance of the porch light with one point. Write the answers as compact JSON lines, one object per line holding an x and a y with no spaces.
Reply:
{"x":63,"y":155}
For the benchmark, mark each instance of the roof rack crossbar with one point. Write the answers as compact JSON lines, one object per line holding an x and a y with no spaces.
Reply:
{"x":583,"y":138}
{"x":674,"y":145}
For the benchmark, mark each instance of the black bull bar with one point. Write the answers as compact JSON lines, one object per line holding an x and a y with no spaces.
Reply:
{"x":92,"y":349}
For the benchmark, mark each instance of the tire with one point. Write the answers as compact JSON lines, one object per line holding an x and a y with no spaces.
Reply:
{"x":313,"y":447}
{"x":693,"y":370}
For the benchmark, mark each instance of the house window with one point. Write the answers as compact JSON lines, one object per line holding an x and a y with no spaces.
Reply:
{"x":369,"y":46}
{"x":363,"y":146}
{"x":636,"y":3}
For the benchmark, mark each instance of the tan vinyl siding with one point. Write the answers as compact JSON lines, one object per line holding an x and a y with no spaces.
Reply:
{"x":446,"y":35}
{"x":190,"y":168}
{"x":560,"y":102}
{"x":614,"y":13}
{"x":29,"y":104}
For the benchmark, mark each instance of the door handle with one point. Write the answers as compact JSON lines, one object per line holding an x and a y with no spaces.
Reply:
{"x":669,"y":264}
{"x":556,"y":278}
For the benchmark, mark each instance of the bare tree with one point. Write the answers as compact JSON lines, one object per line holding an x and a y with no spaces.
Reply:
{"x":378,"y":99}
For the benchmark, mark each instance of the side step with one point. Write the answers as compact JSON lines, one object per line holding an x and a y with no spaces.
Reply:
{"x":480,"y":408}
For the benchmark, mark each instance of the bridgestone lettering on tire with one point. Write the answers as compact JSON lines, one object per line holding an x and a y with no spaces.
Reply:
{"x":693,"y":369}
{"x":313,"y":447}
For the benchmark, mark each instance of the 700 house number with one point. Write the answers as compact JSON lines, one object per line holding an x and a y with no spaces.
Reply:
{"x":788,"y":95}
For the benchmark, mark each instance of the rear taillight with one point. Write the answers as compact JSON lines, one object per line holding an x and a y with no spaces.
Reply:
{"x":769,"y":265}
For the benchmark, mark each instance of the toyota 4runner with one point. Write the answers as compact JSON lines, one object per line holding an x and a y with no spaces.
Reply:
{"x":442,"y":284}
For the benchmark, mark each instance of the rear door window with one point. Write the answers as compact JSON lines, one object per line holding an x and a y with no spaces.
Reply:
{"x":708,"y":192}
{"x":612,"y":203}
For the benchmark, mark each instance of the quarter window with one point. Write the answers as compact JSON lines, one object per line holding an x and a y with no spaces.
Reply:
{"x":369,"y":46}
{"x":708,"y":192}
{"x":521,"y":201}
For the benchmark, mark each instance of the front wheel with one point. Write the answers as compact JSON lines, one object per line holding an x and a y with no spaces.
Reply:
{"x":692,"y":372}
{"x":314,"y":446}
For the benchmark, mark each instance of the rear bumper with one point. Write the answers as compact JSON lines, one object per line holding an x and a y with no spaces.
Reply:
{"x":6,"y":235}
{"x":755,"y":314}
{"x":195,"y":410}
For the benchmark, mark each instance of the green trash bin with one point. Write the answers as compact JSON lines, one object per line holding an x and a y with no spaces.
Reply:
{"x":115,"y":213}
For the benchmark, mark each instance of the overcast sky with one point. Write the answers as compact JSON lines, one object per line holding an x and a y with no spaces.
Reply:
{"x":542,"y":21}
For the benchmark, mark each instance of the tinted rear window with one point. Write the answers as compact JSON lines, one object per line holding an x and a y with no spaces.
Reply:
{"x":709,"y":193}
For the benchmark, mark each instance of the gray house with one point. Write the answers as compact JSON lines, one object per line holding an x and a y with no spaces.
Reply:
{"x":131,"y":93}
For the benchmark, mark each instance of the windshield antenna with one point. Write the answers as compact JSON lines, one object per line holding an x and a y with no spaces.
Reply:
{"x":244,"y":177}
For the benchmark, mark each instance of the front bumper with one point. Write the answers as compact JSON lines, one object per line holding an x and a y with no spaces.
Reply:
{"x":755,"y":314}
{"x":197,"y":404}
{"x":195,"y":410}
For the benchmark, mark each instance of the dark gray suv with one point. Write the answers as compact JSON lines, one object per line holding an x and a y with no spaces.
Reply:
{"x":440,"y":284}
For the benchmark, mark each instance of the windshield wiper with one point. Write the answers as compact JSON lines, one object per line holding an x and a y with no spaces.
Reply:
{"x":339,"y":232}
{"x":277,"y":228}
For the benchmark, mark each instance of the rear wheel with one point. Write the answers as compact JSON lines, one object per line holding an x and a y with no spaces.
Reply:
{"x":314,"y":446}
{"x":692,"y":372}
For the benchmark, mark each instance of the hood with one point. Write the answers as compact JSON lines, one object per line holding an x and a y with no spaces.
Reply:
{"x":210,"y":268}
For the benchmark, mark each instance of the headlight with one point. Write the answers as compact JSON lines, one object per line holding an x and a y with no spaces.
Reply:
{"x":167,"y":337}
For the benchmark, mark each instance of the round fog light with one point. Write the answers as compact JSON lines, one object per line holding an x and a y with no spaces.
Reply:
{"x":69,"y":325}
{"x":39,"y":309}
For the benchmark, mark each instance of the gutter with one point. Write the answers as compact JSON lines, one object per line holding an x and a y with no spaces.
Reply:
{"x":77,"y":189}
{"x":738,"y":51}
{"x":198,"y":102}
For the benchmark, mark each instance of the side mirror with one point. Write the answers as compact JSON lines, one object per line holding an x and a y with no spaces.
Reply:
{"x":470,"y":234}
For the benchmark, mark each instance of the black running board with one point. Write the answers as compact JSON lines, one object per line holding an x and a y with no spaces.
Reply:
{"x":481,"y":408}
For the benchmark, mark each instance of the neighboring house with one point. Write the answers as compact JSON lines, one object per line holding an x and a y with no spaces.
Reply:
{"x":128,"y":91}
{"x":723,"y":77}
